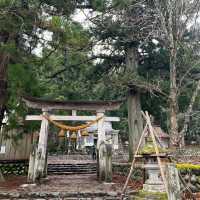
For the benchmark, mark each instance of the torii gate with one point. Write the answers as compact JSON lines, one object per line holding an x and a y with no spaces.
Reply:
{"x":38,"y":166}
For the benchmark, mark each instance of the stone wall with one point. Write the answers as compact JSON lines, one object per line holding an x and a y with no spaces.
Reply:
{"x":14,"y":168}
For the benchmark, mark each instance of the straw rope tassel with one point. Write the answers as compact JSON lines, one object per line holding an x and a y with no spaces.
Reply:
{"x":61,"y":133}
{"x":71,"y":128}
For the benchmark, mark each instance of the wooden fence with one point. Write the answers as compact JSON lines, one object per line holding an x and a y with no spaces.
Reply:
{"x":11,"y":150}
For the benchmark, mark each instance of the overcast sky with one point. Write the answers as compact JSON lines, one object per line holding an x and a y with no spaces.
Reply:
{"x":79,"y":16}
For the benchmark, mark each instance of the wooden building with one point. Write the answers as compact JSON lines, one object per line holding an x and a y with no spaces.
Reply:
{"x":12,"y":149}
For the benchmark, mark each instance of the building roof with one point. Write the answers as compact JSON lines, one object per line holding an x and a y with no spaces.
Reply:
{"x":39,"y":103}
{"x":159,"y":132}
{"x":107,"y":127}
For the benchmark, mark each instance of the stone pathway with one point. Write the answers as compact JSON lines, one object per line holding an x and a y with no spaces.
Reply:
{"x":60,"y":187}
{"x":71,"y":186}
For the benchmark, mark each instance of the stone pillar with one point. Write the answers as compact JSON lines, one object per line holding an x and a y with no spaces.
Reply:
{"x":115,"y":139}
{"x":102,"y":161}
{"x":174,"y":189}
{"x":104,"y":152}
{"x":154,"y":182}
{"x":32,"y":157}
{"x":41,"y":152}
{"x":108,"y":159}
{"x":100,"y":128}
{"x":31,"y":165}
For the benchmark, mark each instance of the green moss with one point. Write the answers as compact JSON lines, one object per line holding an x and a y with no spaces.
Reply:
{"x":149,"y":149}
{"x":150,"y":195}
{"x":187,"y":166}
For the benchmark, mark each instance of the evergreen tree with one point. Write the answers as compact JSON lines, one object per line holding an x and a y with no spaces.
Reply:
{"x":22,"y":24}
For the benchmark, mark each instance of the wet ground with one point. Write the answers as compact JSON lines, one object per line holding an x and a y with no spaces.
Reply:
{"x":61,"y":187}
{"x":60,"y":183}
{"x":65,"y":184}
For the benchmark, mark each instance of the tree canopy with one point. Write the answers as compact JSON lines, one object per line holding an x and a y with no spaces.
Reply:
{"x":45,"y":53}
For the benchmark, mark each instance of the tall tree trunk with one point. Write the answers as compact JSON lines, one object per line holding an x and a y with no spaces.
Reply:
{"x":188,"y":114}
{"x":134,"y":121}
{"x":4,"y":59}
{"x":174,"y":134}
{"x":134,"y":107}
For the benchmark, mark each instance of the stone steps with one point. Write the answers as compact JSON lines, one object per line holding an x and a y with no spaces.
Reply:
{"x":73,"y":165}
{"x":61,"y":169}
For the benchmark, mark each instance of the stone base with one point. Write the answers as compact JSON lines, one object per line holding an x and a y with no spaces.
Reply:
{"x":154,"y":187}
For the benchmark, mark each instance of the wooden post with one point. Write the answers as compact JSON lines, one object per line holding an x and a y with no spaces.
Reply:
{"x":104,"y":152}
{"x":31,"y":165}
{"x":100,"y":146}
{"x":174,"y":189}
{"x":100,"y":128}
{"x":102,"y":161}
{"x":108,"y":159}
{"x":32,"y":158}
{"x":74,"y":112}
{"x":40,"y":159}
{"x":1,"y":177}
{"x":46,"y":165}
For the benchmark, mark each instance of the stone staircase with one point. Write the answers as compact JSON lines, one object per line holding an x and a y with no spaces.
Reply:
{"x":61,"y":195}
{"x":69,"y":169}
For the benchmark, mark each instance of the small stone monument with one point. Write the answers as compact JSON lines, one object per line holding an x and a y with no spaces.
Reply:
{"x":154,"y":181}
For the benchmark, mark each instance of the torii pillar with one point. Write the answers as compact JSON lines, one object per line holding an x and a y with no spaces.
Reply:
{"x":38,"y":164}
{"x":104,"y":151}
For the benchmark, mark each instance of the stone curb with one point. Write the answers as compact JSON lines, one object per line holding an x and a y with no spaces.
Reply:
{"x":57,"y":194}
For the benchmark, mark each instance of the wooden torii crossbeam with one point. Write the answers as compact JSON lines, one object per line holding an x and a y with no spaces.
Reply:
{"x":38,"y":162}
{"x":70,"y":118}
{"x":38,"y":103}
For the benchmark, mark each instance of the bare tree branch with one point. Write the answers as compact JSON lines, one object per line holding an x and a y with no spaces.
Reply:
{"x":189,"y":110}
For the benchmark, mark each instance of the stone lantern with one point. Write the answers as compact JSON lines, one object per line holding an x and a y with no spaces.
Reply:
{"x":163,"y":137}
{"x":154,"y":182}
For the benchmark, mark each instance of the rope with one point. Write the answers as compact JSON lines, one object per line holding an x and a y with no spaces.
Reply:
{"x":71,"y":128}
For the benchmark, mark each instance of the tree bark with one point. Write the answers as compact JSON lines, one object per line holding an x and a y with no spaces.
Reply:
{"x":134,"y":121}
{"x":172,"y":26}
{"x":188,"y":113}
{"x":174,"y":134}
{"x":134,"y":106}
{"x":4,"y":59}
